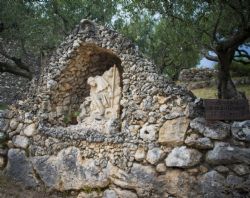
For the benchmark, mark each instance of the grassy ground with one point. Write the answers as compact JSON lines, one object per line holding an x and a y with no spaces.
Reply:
{"x":211,"y":92}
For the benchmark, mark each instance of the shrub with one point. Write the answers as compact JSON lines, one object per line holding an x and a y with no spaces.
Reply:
{"x":238,"y":69}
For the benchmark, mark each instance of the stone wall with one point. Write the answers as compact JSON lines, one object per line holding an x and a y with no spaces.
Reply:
{"x":197,"y":74}
{"x":159,"y":146}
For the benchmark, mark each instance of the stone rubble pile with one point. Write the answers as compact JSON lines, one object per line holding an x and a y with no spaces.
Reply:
{"x":163,"y":147}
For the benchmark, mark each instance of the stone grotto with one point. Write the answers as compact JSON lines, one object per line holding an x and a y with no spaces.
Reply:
{"x":103,"y":122}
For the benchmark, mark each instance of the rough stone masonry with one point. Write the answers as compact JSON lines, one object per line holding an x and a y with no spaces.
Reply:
{"x":157,"y":145}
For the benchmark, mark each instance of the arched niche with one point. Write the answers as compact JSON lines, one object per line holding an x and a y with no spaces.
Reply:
{"x":90,"y":60}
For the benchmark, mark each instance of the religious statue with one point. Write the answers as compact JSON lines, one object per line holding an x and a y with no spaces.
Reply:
{"x":105,"y":95}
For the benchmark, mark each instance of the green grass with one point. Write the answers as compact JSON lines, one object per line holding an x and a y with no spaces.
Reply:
{"x":211,"y":92}
{"x":3,"y":106}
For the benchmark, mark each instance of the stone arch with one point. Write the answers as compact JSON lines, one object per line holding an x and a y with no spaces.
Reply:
{"x":88,"y":60}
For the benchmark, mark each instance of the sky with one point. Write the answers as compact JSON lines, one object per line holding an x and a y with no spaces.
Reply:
{"x":205,"y":63}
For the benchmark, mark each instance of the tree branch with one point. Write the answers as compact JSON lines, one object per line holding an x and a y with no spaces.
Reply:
{"x":217,"y":24}
{"x":235,"y":40}
{"x":17,"y":61}
{"x":210,"y":57}
{"x":13,"y":65}
{"x":239,"y":12}
{"x":14,"y":69}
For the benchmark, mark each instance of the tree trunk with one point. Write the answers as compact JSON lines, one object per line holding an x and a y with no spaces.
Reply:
{"x":226,"y":87}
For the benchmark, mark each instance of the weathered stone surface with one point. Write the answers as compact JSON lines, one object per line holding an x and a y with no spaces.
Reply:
{"x":241,"y":130}
{"x":214,"y":129}
{"x":154,"y":155}
{"x":4,"y":125}
{"x":213,"y":185}
{"x":200,"y":143}
{"x":241,"y":169}
{"x":20,"y":168}
{"x":141,"y":178}
{"x":20,"y":141}
{"x":183,"y":157}
{"x":125,"y":193}
{"x":178,"y":183}
{"x":147,"y":132}
{"x":225,"y":154}
{"x":140,"y":154}
{"x":68,"y":171}
{"x":233,"y":180}
{"x":89,"y":195}
{"x":173,"y":131}
{"x":30,"y":130}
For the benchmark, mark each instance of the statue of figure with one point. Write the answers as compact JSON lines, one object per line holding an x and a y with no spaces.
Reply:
{"x":105,"y":93}
{"x":99,"y":90}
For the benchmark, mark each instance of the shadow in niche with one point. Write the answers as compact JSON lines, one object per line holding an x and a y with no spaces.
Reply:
{"x":73,"y":88}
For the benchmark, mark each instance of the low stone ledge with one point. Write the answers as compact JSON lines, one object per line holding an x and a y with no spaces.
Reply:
{"x":78,"y":132}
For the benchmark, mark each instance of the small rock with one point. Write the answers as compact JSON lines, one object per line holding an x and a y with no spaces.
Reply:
{"x":222,"y":169}
{"x":233,"y":180}
{"x":241,"y":130}
{"x":161,"y":168}
{"x":241,"y":169}
{"x":19,"y":128}
{"x":20,"y":141}
{"x":109,"y":194}
{"x":154,"y":155}
{"x":88,"y":195}
{"x":134,"y":129}
{"x":13,"y":124}
{"x":140,"y":154}
{"x":183,"y":157}
{"x":214,"y":129}
{"x":30,"y":130}
{"x":125,"y":193}
{"x":200,"y":143}
{"x":147,"y":133}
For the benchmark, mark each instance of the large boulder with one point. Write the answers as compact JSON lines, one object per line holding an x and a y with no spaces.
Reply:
{"x":213,"y":185}
{"x":183,"y":157}
{"x":212,"y":129}
{"x":68,"y":171}
{"x":226,"y":154}
{"x":241,"y":130}
{"x":20,"y":168}
{"x":173,"y":131}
